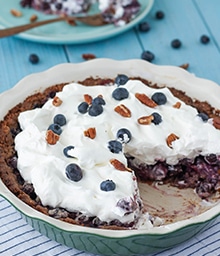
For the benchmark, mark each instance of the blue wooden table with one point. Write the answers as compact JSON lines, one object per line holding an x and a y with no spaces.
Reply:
{"x":185,"y":20}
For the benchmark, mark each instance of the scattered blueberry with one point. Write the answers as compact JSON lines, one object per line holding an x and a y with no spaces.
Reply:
{"x":157,"y":118}
{"x":66,"y":150}
{"x":115,"y":146}
{"x":120,"y":93}
{"x":203,"y":116}
{"x":159,"y":97}
{"x":176,"y":43}
{"x":98,"y":100}
{"x":95,"y":110}
{"x":124,"y":135}
{"x":59,"y":119}
{"x":121,"y":79}
{"x":204,"y":39}
{"x":144,"y":26}
{"x":107,"y":185}
{"x":147,"y":55}
{"x":33,"y":58}
{"x":83,"y":107}
{"x":74,"y":172}
{"x":55,"y":128}
{"x":159,"y":15}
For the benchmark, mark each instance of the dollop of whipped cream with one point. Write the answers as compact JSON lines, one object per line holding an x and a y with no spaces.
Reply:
{"x":44,"y":165}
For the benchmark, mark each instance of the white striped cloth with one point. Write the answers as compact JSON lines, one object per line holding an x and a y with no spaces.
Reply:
{"x":18,"y":238}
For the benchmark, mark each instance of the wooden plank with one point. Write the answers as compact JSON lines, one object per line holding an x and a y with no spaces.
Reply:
{"x":210,"y":13}
{"x":15,"y":59}
{"x":183,"y":21}
{"x":124,"y":46}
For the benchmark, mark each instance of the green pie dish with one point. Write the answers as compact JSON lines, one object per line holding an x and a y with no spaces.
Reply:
{"x":184,"y":224}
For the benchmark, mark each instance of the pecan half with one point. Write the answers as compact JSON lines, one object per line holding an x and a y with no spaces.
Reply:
{"x":123,"y":110}
{"x":88,"y":56}
{"x":33,"y":18}
{"x":216,"y":122}
{"x":184,"y":66}
{"x":57,"y":101}
{"x":52,"y":137}
{"x":88,"y":98}
{"x":16,"y":13}
{"x":172,"y":137}
{"x":119,"y":165}
{"x":145,"y":120}
{"x":143,"y":98}
{"x":91,"y":133}
{"x":177,"y":104}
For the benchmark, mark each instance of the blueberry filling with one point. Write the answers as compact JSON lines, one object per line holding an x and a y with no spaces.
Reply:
{"x":201,"y":174}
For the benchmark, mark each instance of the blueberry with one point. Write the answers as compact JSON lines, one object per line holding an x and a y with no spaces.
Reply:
{"x":121,"y":79}
{"x":33,"y":58}
{"x":95,"y":110}
{"x":98,"y":100}
{"x":204,"y":39}
{"x":144,"y":26}
{"x":176,"y":43}
{"x":59,"y":119}
{"x":147,"y":55}
{"x":66,"y":150}
{"x":124,"y":135}
{"x":107,"y":185}
{"x":55,"y":128}
{"x":115,"y":146}
{"x":74,"y":172}
{"x":203,"y":116}
{"x":159,"y":98}
{"x":157,"y":118}
{"x":159,"y":15}
{"x":52,"y":94}
{"x":211,"y":159}
{"x":83,"y":107}
{"x":59,"y":6}
{"x":120,"y":93}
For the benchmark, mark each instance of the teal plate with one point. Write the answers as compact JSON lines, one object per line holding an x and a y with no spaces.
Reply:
{"x":61,"y":32}
{"x":116,"y":242}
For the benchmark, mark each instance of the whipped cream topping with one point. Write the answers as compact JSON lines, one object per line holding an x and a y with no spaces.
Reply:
{"x":44,"y":165}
